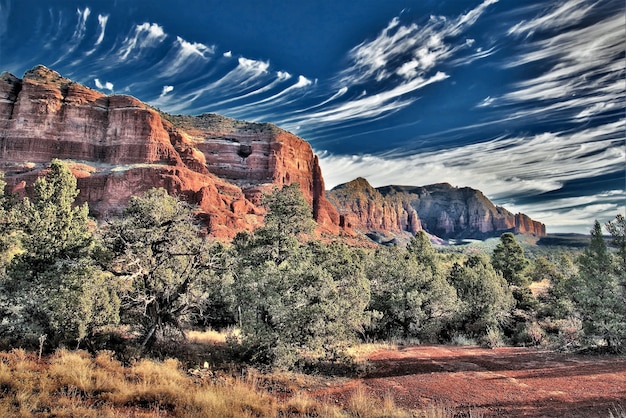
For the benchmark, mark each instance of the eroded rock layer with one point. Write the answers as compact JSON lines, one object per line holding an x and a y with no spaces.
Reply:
{"x":119,"y":146}
{"x":439,"y":209}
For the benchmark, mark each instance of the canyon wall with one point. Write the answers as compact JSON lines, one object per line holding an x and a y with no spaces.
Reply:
{"x":118,"y":146}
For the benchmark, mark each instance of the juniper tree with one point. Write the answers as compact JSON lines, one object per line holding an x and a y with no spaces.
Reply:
{"x":53,"y":285}
{"x":292,"y":296}
{"x":508,"y":258}
{"x":156,"y":251}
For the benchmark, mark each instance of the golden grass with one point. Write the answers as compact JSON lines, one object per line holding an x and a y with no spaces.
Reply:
{"x":76,"y":384}
{"x":360,"y":352}
{"x":208,"y":336}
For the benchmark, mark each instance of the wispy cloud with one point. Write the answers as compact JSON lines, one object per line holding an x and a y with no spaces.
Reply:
{"x":102,"y":22}
{"x":146,"y":35}
{"x":558,"y":16}
{"x":184,"y":55}
{"x":409,"y":50}
{"x":81,"y":26}
{"x":584,"y":75}
{"x":369,"y":106}
{"x":166,"y":90}
{"x":77,"y":36}
{"x":575,"y":214}
{"x":503,"y":168}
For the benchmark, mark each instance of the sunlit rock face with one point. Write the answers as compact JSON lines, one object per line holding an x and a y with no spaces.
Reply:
{"x":364,"y":209}
{"x":440,"y":209}
{"x":118,"y":146}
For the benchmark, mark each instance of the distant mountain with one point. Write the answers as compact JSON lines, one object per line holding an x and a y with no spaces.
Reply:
{"x":440,"y":209}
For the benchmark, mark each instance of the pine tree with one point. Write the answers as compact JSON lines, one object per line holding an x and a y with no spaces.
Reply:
{"x":598,"y":293}
{"x":508,"y":258}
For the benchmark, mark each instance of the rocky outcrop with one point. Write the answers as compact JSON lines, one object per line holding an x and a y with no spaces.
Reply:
{"x":119,"y":146}
{"x":440,"y":209}
{"x":363,"y":208}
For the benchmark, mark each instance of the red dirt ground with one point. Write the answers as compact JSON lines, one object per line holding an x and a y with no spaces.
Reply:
{"x":506,"y":382}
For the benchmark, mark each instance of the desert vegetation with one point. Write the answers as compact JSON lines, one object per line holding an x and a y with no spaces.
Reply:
{"x":136,"y":286}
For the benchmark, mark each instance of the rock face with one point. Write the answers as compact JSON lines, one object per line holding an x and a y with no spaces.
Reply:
{"x":440,"y":209}
{"x":365,"y":209}
{"x":118,"y":146}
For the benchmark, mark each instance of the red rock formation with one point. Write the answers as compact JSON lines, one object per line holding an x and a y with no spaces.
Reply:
{"x":365,"y":209}
{"x":127,"y":147}
{"x":525,"y":225}
{"x":440,"y":209}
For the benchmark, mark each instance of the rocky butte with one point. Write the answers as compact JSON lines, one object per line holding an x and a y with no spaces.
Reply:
{"x":440,"y":209}
{"x":118,"y":146}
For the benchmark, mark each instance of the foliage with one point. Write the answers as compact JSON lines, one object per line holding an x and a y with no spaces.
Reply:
{"x":598,"y":293}
{"x":485,"y":298}
{"x":53,"y":287}
{"x":292,"y":296}
{"x":413,"y":299}
{"x":157,"y":252}
{"x":508,"y":258}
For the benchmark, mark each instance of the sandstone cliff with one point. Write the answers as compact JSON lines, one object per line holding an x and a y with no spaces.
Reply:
{"x":440,"y":209}
{"x":118,"y":146}
{"x":365,"y":209}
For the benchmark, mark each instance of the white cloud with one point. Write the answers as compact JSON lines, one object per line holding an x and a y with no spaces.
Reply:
{"x":584,"y":75}
{"x":487,"y":101}
{"x":194,"y":48}
{"x":418,"y":49}
{"x":370,"y":106}
{"x":185,"y":54}
{"x":503,"y":168}
{"x":283,"y":75}
{"x":81,"y":26}
{"x":253,"y":66}
{"x":166,"y":90}
{"x":106,"y":86}
{"x":575,"y":214}
{"x":559,"y":16}
{"x":405,"y":57}
{"x":102,"y":22}
{"x":228,"y":54}
{"x":146,"y":35}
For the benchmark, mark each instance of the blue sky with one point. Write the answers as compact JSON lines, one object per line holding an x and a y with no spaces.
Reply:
{"x":522,"y":100}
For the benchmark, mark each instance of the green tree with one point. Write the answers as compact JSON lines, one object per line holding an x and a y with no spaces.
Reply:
{"x":598,"y":293}
{"x":485,"y":298}
{"x":156,"y":250}
{"x":422,"y":250}
{"x":411,"y":299}
{"x":53,"y":287}
{"x":53,"y":228}
{"x":292,"y":296}
{"x":508,"y":258}
{"x":617,"y":229}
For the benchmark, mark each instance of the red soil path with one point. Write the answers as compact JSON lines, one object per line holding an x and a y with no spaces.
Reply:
{"x":507,"y":382}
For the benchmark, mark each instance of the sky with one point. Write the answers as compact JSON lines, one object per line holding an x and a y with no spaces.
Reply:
{"x":523,"y":100}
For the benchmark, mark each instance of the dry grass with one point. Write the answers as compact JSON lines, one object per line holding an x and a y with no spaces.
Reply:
{"x":208,"y":336}
{"x":360,"y":352}
{"x":76,"y":384}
